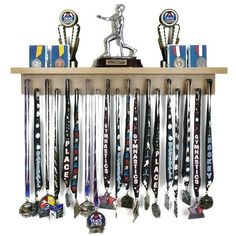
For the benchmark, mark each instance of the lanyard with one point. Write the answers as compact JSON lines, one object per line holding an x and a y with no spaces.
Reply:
{"x":106,"y":138}
{"x":176,"y":158}
{"x":196,"y":143}
{"x":136,"y":152}
{"x":126,"y":158}
{"x":169,"y":145}
{"x":147,"y":146}
{"x":56,"y":145}
{"x":37,"y":145}
{"x":156,"y":156}
{"x":206,"y":202}
{"x":67,"y":142}
{"x":186,"y":197}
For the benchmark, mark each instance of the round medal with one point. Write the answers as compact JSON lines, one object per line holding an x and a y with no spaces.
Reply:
{"x":86,"y":208}
{"x":46,"y":202}
{"x":59,"y":62}
{"x":169,"y":17}
{"x":68,"y":18}
{"x":96,"y":222}
{"x":179,"y":62}
{"x":26,"y":209}
{"x":201,"y":62}
{"x":206,"y":202}
{"x":36,"y":63}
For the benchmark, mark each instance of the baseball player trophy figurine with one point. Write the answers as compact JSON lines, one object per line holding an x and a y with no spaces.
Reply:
{"x":122,"y":60}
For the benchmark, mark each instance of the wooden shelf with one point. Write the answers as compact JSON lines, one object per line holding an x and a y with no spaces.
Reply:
{"x":138,"y":77}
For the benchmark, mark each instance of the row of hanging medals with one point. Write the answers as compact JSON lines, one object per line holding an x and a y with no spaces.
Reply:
{"x":49,"y":205}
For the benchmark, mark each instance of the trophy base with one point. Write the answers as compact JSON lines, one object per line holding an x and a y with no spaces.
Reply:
{"x":163,"y":64}
{"x":117,"y":62}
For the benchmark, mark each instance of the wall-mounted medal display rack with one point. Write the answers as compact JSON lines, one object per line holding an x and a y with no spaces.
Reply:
{"x":141,"y":110}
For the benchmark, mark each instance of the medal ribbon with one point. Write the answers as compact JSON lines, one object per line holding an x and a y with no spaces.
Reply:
{"x":39,"y":50}
{"x":106,"y":138}
{"x":87,"y":139}
{"x":74,"y":180}
{"x":67,"y":141}
{"x":38,"y":180}
{"x":47,"y":133}
{"x":118,"y":146}
{"x":147,"y":140}
{"x":208,"y":156}
{"x":56,"y":146}
{"x":135,"y":145}
{"x":169,"y":139}
{"x":196,"y":149}
{"x":186,"y":138}
{"x":156,"y":147}
{"x":26,"y":131}
{"x":61,"y":50}
{"x":176,"y":162}
{"x":126,"y":157}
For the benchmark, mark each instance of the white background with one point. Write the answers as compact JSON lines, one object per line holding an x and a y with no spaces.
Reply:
{"x":35,"y":22}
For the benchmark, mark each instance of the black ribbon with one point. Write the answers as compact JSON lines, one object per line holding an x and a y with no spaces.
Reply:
{"x":56,"y":146}
{"x":38,"y":180}
{"x":135,"y":145}
{"x":106,"y":138}
{"x":74,"y":179}
{"x":208,"y":156}
{"x":147,"y":140}
{"x":126,"y":157}
{"x":156,"y":147}
{"x":169,"y":139}
{"x":67,"y":138}
{"x":196,"y":143}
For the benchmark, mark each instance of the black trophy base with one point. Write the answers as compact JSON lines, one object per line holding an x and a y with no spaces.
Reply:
{"x":118,"y":62}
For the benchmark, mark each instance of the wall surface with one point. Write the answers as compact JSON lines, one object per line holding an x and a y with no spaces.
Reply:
{"x":35,"y":22}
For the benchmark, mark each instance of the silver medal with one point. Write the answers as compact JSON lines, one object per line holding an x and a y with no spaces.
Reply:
{"x":156,"y":210}
{"x":201,"y":62}
{"x":179,"y":62}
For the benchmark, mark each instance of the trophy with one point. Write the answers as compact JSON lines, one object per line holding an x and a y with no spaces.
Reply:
{"x":168,"y":31}
{"x":122,"y":60}
{"x":69,"y":22}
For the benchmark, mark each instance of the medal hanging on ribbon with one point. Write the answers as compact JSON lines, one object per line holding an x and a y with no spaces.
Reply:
{"x":156,"y":156}
{"x":96,"y":221}
{"x":127,"y":201}
{"x":136,"y":152}
{"x":27,"y":208}
{"x":176,"y":162}
{"x":48,"y":200}
{"x":38,"y":180}
{"x":118,"y":181}
{"x":195,"y":211}
{"x":75,"y":170}
{"x":67,"y":143}
{"x":179,"y":61}
{"x":147,"y":146}
{"x":106,"y":201}
{"x":87,"y":207}
{"x":186,"y":197}
{"x":206,"y":202}
{"x":201,"y":61}
{"x":169,"y":146}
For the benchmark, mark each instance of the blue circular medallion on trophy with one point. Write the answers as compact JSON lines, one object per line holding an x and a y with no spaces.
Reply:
{"x":68,"y":18}
{"x":169,"y":17}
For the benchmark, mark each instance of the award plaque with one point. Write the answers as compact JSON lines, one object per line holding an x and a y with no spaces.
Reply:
{"x":168,"y":31}
{"x":122,"y":60}
{"x":69,"y":22}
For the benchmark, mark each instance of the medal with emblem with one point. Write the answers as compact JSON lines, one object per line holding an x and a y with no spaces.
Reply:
{"x":127,"y":201}
{"x":156,"y":156}
{"x":27,"y":208}
{"x":36,"y":63}
{"x":206,"y":202}
{"x":59,"y":62}
{"x":96,"y":222}
{"x":147,"y":146}
{"x":176,"y":156}
{"x":87,"y":207}
{"x":201,"y":62}
{"x":136,"y":152}
{"x":196,"y":211}
{"x":186,"y":197}
{"x":106,"y":201}
{"x":68,"y":18}
{"x":179,"y":62}
{"x":169,"y":146}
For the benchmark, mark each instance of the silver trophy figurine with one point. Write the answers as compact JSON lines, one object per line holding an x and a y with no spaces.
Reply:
{"x":168,"y":31}
{"x":69,"y":22}
{"x":106,"y":59}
